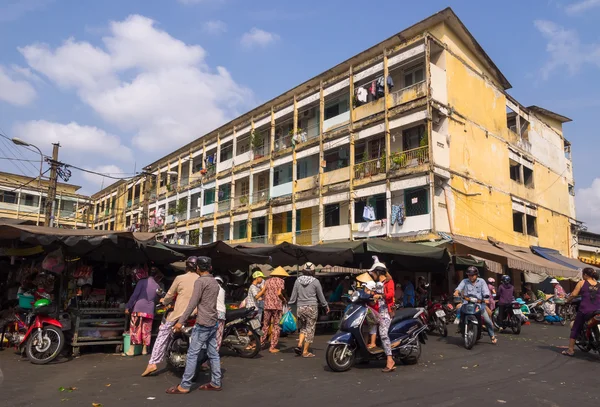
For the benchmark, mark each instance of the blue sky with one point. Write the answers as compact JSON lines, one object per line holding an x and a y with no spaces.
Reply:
{"x":123,"y":82}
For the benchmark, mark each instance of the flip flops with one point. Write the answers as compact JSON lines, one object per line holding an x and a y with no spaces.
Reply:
{"x":308,"y":355}
{"x":388,"y":369}
{"x":567,"y":353}
{"x":175,"y":390}
{"x":209,"y":387}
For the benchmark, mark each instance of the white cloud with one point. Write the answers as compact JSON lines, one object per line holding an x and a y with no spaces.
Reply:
{"x":565,"y":49}
{"x":26,"y":73}
{"x":14,"y":91}
{"x":214,"y":27}
{"x":588,"y":205}
{"x":75,"y":140}
{"x":100,"y":181}
{"x":258,"y":38}
{"x":581,"y":6}
{"x":145,"y":82}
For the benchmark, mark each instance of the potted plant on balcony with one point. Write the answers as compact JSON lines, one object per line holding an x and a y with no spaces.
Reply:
{"x":366,"y":167}
{"x":423,"y":152}
{"x":243,"y":200}
{"x":172,"y":210}
{"x":399,"y":160}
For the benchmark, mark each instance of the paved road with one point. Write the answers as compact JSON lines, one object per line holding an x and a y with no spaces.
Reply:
{"x":521,"y":370}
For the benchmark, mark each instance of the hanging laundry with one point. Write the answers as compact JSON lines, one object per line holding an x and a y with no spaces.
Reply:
{"x":380,"y":87}
{"x":368,"y":213}
{"x":372,"y":91}
{"x":390,"y":83}
{"x":397,"y":214}
{"x":361,"y":95}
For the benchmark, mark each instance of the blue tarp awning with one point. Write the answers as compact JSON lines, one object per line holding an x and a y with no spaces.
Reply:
{"x":556,"y":257}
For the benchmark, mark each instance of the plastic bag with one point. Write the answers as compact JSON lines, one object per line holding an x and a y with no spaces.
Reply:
{"x":288,"y":323}
{"x":54,"y":262}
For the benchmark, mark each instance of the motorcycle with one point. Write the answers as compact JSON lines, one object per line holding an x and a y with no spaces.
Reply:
{"x":588,"y":339}
{"x":33,"y":332}
{"x":436,"y":318}
{"x":512,"y":318}
{"x":471,"y":320}
{"x":407,"y":332}
{"x":536,"y":310}
{"x":449,"y":309}
{"x":242,"y":332}
{"x":566,"y":311}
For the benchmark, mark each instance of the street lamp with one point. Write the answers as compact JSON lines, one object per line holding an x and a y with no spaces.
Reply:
{"x":23,"y":143}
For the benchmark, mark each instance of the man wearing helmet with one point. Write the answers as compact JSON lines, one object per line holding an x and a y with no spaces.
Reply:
{"x":204,"y":299}
{"x":181,"y":291}
{"x":506,"y":295}
{"x":475,"y":287}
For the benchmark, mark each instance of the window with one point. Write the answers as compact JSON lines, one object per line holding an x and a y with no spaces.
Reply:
{"x":8,"y":197}
{"x":282,"y":174}
{"x":29,"y":200}
{"x":567,"y":150}
{"x":377,"y":202}
{"x":416,"y":202}
{"x":515,"y":171}
{"x":411,"y":138}
{"x":288,"y":221}
{"x":244,"y":187}
{"x":336,"y":107}
{"x":259,"y":227}
{"x":413,"y":76}
{"x":224,"y":192}
{"x":226,"y":152}
{"x":243,"y":145}
{"x":531,"y":225}
{"x":241,"y":229}
{"x":209,"y":197}
{"x":332,"y":215}
{"x":518,"y":222}
{"x":571,"y":190}
{"x":336,"y":159}
{"x":308,"y":167}
{"x":528,"y":177}
{"x":332,"y":111}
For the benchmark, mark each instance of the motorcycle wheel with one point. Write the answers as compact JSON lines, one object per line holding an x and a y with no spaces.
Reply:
{"x":582,"y":343}
{"x":53,"y":340}
{"x":470,"y":337}
{"x":539,"y":317}
{"x":335,"y":361}
{"x":563,"y":315}
{"x":252,"y":352}
{"x":516,"y":325}
{"x":442,"y":328}
{"x":414,"y":356}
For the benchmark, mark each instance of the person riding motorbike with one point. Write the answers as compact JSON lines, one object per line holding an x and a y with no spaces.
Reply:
{"x":506,"y":296}
{"x":385,"y":306}
{"x":475,"y":287}
{"x":589,"y":289}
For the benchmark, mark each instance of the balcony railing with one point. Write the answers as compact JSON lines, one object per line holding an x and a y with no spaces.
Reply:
{"x":369,"y":168}
{"x":67,"y":214}
{"x":307,"y":237}
{"x":260,"y":151}
{"x":283,"y":143}
{"x":260,"y":196}
{"x":210,"y":171}
{"x":409,"y":158}
{"x":259,"y":239}
{"x":224,"y":205}
{"x":241,"y":200}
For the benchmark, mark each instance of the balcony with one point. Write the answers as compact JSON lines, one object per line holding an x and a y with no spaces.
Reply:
{"x":224,"y":205}
{"x":278,"y":238}
{"x":283,"y":143}
{"x":260,"y":196}
{"x":66,"y":214}
{"x":240,"y":201}
{"x":336,"y":121}
{"x":399,"y":97}
{"x":369,"y":168}
{"x":409,"y":158}
{"x":307,"y":237}
{"x":209,"y":171}
{"x":260,"y":151}
{"x":259,"y":239}
{"x":336,"y":233}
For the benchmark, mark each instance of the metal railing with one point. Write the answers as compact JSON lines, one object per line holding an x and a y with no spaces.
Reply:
{"x":283,"y":143}
{"x":241,"y":200}
{"x":210,"y":171}
{"x":66,"y":214}
{"x":260,"y":196}
{"x":369,"y":168}
{"x":224,"y":205}
{"x":260,"y":151}
{"x":307,"y":237}
{"x":259,"y":239}
{"x":409,"y":158}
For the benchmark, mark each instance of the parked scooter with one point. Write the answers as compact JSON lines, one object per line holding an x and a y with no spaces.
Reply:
{"x":536,"y":310}
{"x":34,"y":332}
{"x":348,"y":345}
{"x":512,"y":318}
{"x":436,"y":318}
{"x":449,"y":309}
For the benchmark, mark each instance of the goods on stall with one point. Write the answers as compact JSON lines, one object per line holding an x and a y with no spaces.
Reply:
{"x":54,"y":262}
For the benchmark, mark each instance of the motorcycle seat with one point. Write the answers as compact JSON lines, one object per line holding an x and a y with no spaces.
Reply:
{"x":404,"y":314}
{"x":237,"y":313}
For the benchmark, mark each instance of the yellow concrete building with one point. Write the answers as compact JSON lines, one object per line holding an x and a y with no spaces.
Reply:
{"x":589,"y":248}
{"x":22,"y":198}
{"x":414,"y":137}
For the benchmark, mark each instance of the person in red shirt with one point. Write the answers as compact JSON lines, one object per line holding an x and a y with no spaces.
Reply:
{"x":385,"y":302}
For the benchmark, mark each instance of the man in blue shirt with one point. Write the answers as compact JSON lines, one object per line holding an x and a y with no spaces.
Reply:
{"x":475,"y":287}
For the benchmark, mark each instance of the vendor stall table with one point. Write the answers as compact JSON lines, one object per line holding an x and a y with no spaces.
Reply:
{"x":109,"y":323}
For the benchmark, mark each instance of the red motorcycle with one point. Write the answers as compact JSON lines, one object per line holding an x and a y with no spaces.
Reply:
{"x":449,"y":309}
{"x":436,"y":318}
{"x":34,"y":332}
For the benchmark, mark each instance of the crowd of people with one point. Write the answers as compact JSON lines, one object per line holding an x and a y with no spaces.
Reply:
{"x":199,"y":292}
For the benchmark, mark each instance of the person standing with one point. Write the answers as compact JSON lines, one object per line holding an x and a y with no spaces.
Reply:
{"x":409,"y":293}
{"x":221,"y":311}
{"x":204,"y":334}
{"x":491,"y":286}
{"x":506,"y":295}
{"x":384,"y":299}
{"x":274,"y":300}
{"x":141,"y":308}
{"x":256,"y":293}
{"x":308,"y":294}
{"x":589,"y":290}
{"x":181,"y":291}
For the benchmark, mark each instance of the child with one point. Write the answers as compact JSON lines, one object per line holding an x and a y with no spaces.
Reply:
{"x":373,"y":288}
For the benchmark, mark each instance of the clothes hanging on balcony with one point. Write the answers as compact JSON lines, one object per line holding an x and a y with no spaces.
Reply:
{"x":397,"y":214}
{"x":361,"y":95}
{"x":368,"y":213}
{"x":372,"y":91}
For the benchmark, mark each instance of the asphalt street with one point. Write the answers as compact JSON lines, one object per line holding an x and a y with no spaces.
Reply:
{"x":520,"y":370}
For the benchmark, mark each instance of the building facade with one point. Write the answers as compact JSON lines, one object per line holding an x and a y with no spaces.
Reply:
{"x":23,"y":198}
{"x":412,"y":137}
{"x":589,"y":248}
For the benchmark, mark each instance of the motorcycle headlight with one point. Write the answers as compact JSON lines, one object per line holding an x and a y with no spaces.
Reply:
{"x":355,"y":296}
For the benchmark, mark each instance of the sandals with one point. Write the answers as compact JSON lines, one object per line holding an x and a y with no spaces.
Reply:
{"x":388,"y":369}
{"x":175,"y":390}
{"x":209,"y":387}
{"x":298,"y":351}
{"x":274,"y":350}
{"x":308,"y":355}
{"x":494,"y":340}
{"x":567,"y":353}
{"x":149,"y":372}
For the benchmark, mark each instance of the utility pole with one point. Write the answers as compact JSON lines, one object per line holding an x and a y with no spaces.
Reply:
{"x":49,"y":221}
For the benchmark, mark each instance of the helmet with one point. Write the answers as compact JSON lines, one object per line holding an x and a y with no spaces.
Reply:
{"x":308,"y":266}
{"x":258,"y":274}
{"x":42,"y":302}
{"x":505,"y":279}
{"x":219,"y":279}
{"x":472,"y":271}
{"x":380,"y":270}
{"x":204,"y":263}
{"x":191,"y":263}
{"x":491,"y":280}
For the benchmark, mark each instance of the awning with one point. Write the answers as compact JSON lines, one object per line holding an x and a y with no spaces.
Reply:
{"x":556,"y":257}
{"x":222,"y":255}
{"x":287,"y":254}
{"x":516,"y":257}
{"x":471,"y":260}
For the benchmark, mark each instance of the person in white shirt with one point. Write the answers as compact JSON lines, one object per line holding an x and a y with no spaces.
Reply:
{"x":221,"y":310}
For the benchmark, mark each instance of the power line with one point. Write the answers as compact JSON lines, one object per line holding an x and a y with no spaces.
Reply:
{"x":30,"y":181}
{"x":17,"y":165}
{"x":18,"y":150}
